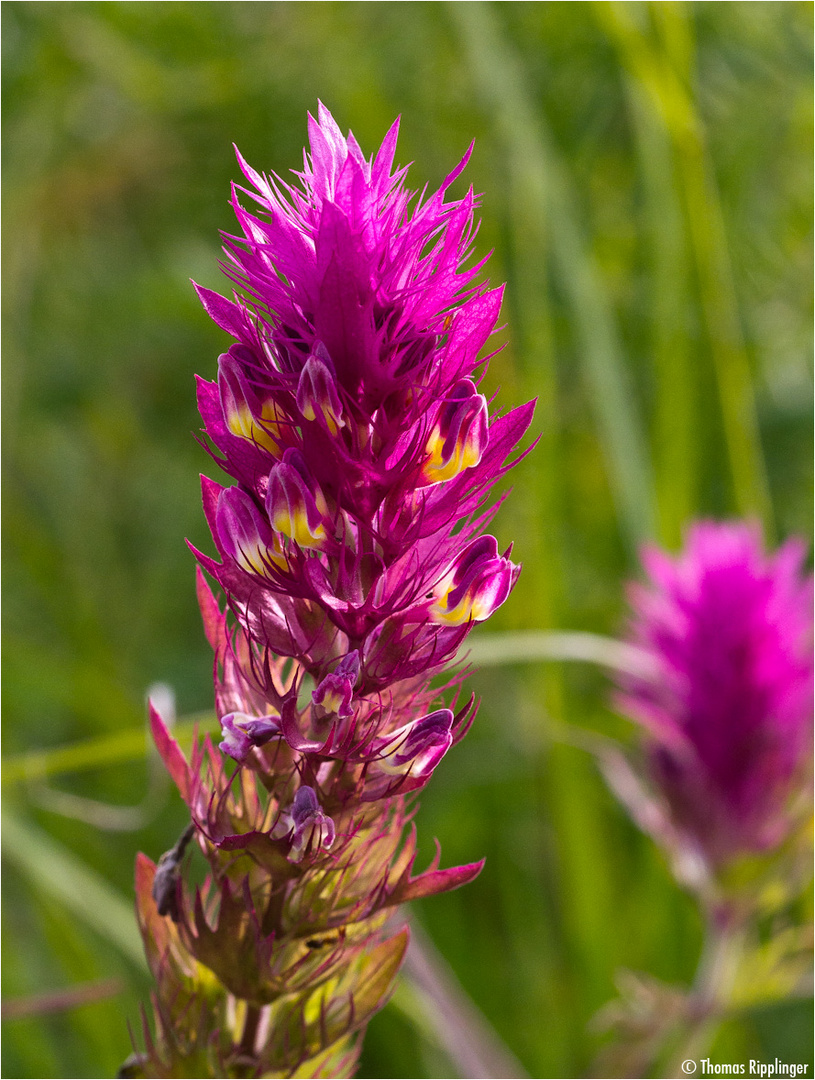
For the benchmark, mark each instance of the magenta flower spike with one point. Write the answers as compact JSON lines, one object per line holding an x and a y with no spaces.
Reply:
{"x":727,"y":706}
{"x":361,"y":456}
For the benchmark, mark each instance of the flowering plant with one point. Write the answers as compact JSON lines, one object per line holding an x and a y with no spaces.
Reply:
{"x":723,"y":691}
{"x":347,"y":415}
{"x":727,"y":704}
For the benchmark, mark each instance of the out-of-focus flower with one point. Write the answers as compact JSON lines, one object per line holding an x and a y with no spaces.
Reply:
{"x":728,"y":706}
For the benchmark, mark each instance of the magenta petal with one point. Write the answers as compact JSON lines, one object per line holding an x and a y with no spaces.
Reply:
{"x":228,"y":315}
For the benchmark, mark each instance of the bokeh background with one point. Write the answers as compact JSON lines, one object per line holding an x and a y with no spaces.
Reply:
{"x":646,"y":172}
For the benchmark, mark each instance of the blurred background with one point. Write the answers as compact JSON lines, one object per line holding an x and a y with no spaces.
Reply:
{"x":646,"y":172}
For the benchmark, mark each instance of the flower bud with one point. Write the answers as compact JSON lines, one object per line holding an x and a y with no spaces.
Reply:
{"x":245,"y":415}
{"x":296,"y":507}
{"x":317,"y":391}
{"x":335,"y":691}
{"x":477,"y":583}
{"x":416,"y":748}
{"x":310,"y":827}
{"x":459,"y":436}
{"x":241,"y":733}
{"x":244,"y":534}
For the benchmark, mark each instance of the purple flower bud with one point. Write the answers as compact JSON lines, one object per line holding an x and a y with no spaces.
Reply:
{"x":417,"y":747}
{"x":311,"y":828}
{"x":335,"y":691}
{"x":477,"y":583}
{"x":296,"y":507}
{"x":729,"y":706}
{"x":317,"y":391}
{"x":241,"y":733}
{"x":246,"y":416}
{"x":244,"y":534}
{"x":459,"y":436}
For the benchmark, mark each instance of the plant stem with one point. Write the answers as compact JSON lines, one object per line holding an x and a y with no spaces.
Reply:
{"x":713,"y":984}
{"x":250,"y":1029}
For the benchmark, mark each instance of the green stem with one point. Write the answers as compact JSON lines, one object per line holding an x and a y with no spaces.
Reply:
{"x":250,"y":1030}
{"x":713,"y":985}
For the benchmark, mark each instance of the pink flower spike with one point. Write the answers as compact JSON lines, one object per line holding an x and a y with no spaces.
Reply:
{"x":361,"y":462}
{"x":728,"y":710}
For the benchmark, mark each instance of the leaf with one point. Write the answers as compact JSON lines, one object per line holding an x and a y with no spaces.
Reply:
{"x":775,"y":969}
{"x":497,"y":70}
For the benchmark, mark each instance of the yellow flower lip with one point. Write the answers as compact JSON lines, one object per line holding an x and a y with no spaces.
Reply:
{"x":295,"y":504}
{"x":247,"y":416}
{"x":459,"y":436}
{"x":474,"y":586}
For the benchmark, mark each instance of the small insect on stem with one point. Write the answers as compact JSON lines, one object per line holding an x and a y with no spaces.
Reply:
{"x":320,"y":943}
{"x":165,"y":883}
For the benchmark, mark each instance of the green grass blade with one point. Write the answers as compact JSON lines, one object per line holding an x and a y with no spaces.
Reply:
{"x":535,"y":646}
{"x":676,"y":439}
{"x":498,"y":74}
{"x":128,"y":745}
{"x":650,"y":66}
{"x":57,"y":872}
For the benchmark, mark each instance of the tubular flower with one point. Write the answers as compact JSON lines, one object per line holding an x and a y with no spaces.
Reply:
{"x":244,"y":414}
{"x":727,"y":705}
{"x":459,"y":436}
{"x":241,"y":733}
{"x":243,"y":534}
{"x":360,"y":455}
{"x":317,"y":394}
{"x":296,"y":510}
{"x":475,"y":585}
